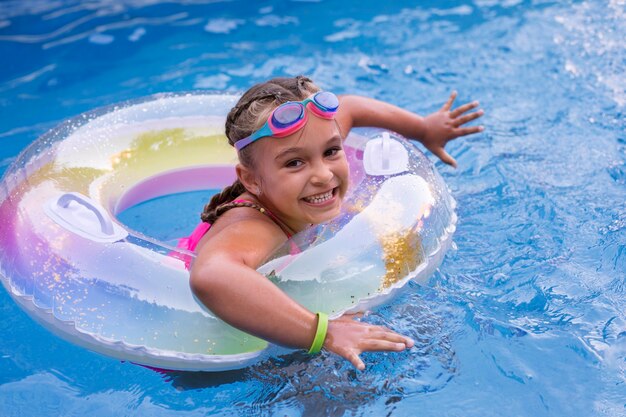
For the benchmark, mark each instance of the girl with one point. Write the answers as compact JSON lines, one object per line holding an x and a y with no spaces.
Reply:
{"x":292,"y":173}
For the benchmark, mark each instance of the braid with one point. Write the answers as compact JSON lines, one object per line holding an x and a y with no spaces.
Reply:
{"x":228,"y":194}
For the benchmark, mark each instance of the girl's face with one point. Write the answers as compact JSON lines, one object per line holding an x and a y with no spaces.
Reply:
{"x":303,"y":177}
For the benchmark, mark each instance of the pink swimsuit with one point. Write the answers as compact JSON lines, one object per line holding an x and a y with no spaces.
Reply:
{"x":191,"y":242}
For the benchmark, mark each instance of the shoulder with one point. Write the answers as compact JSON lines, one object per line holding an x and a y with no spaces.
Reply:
{"x":344,"y":113}
{"x":241,"y":235}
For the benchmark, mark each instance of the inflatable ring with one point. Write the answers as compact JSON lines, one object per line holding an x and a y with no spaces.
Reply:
{"x":69,"y":262}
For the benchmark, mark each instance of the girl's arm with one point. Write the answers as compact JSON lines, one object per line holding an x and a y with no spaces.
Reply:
{"x":224,"y":279}
{"x":433,"y":131}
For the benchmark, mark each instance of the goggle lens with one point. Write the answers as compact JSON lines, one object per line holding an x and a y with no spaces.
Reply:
{"x":287,"y":114}
{"x":327,"y":100}
{"x":290,"y":117}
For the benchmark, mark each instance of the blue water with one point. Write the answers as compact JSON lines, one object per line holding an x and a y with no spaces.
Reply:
{"x":526,"y":318}
{"x":183,"y":215}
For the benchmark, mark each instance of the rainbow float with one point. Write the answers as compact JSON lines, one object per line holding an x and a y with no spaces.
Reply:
{"x":68,"y":262}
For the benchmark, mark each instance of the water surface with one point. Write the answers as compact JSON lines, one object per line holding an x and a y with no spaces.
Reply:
{"x":525,"y":318}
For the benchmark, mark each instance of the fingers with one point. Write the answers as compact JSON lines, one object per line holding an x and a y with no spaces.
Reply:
{"x":349,"y":339}
{"x":463,"y":131}
{"x":375,"y":345}
{"x":444,"y":156}
{"x":355,"y":360}
{"x":391,"y":336}
{"x":467,"y":118}
{"x":408,"y":342}
{"x":382,"y":338}
{"x":448,"y":105}
{"x":462,"y":109}
{"x":379,"y":339}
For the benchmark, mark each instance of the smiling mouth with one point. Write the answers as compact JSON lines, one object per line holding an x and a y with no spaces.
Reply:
{"x":320,"y":198}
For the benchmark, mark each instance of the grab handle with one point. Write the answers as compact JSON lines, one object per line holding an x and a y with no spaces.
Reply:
{"x":106,"y":225}
{"x":385,"y":155}
{"x":87,"y":218}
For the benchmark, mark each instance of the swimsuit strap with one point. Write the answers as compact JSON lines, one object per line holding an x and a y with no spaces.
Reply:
{"x":251,"y":204}
{"x":190,"y":243}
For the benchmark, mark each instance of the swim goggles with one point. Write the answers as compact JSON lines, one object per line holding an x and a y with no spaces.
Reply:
{"x":291,"y":116}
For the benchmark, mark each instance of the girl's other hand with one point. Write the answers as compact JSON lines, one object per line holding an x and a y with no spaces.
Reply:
{"x":446,"y":125}
{"x":349,"y":338}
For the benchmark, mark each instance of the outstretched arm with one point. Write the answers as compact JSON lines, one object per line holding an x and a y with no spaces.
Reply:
{"x":224,"y":279}
{"x":433,"y":131}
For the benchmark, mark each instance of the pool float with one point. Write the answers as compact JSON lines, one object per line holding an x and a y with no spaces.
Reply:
{"x":69,"y":262}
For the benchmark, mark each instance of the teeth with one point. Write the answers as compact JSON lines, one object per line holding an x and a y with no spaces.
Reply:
{"x":320,"y":198}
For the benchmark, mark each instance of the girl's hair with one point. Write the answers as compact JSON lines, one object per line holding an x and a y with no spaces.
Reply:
{"x":250,"y":113}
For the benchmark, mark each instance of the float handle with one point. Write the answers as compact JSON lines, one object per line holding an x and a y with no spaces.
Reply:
{"x":106,"y":225}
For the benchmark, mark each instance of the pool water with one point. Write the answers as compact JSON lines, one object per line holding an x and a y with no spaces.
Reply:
{"x":167,"y":218}
{"x":527,"y":317}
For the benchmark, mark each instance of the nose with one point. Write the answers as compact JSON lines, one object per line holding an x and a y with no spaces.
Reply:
{"x":322,"y":173}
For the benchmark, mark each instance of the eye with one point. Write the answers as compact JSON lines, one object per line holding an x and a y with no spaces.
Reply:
{"x":293,"y":163}
{"x":332,"y":151}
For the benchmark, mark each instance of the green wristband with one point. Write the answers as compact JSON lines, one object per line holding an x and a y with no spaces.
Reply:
{"x":320,"y":333}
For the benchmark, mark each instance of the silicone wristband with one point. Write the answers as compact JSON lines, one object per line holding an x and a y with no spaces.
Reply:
{"x":320,"y":333}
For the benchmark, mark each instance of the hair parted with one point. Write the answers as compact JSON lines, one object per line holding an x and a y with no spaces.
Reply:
{"x":248,"y":115}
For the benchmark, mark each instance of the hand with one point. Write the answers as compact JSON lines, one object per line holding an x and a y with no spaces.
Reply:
{"x":349,"y":338}
{"x":446,"y":125}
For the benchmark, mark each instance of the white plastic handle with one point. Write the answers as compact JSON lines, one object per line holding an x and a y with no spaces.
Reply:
{"x":106,"y":225}
{"x":385,"y":155}
{"x":89,"y":219}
